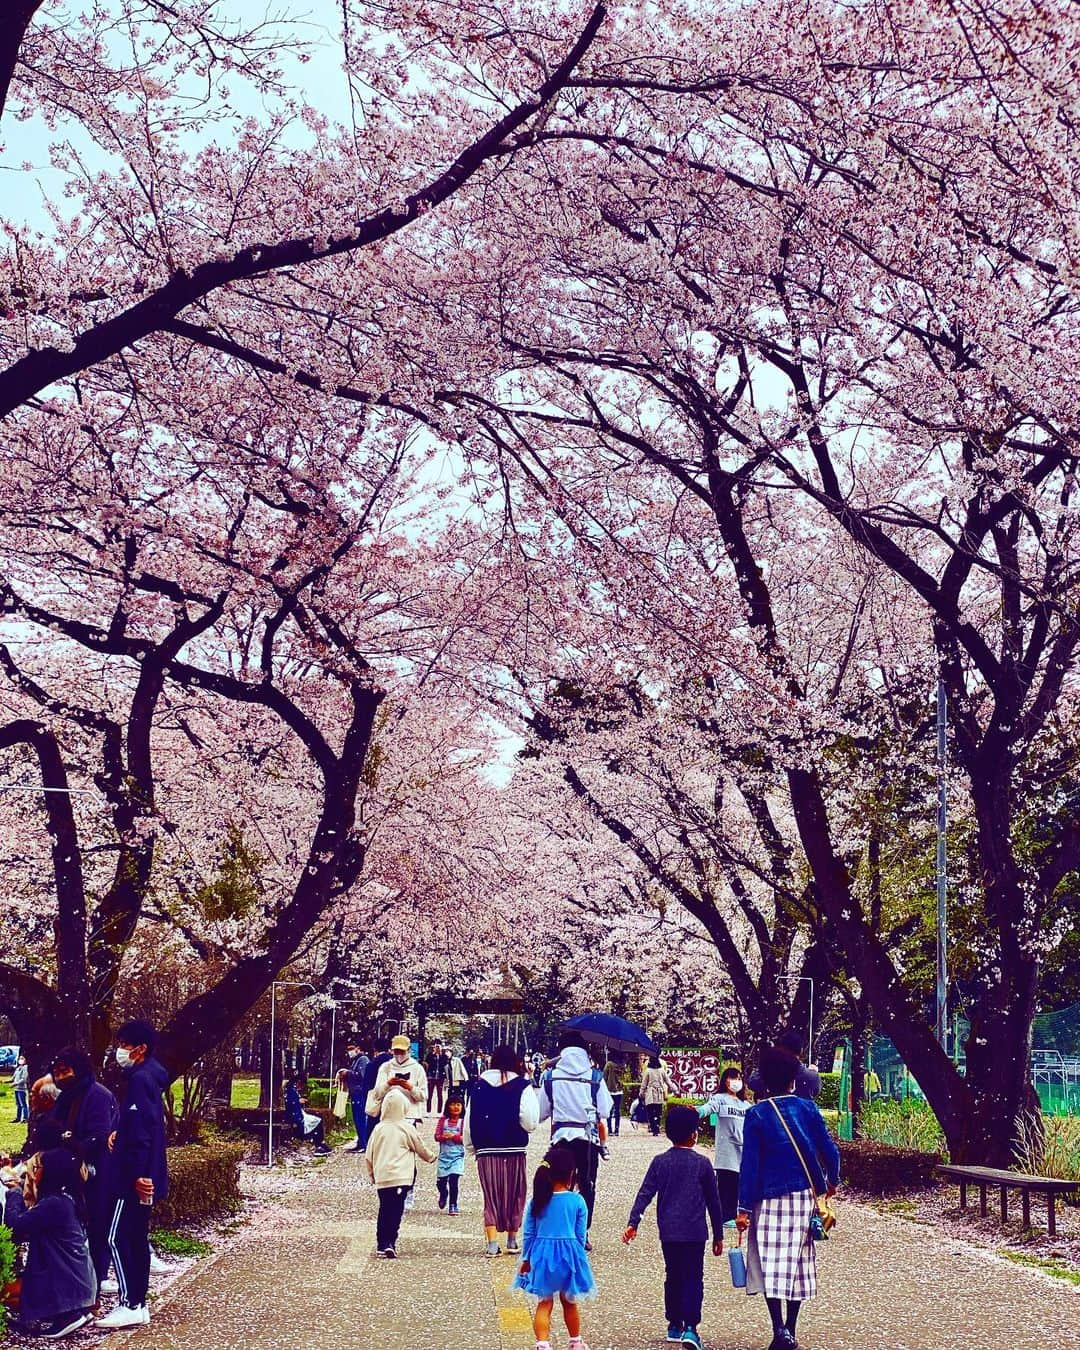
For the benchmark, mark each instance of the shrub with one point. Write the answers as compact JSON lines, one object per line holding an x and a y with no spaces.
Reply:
{"x":7,"y":1275}
{"x":1049,"y":1147}
{"x":909,"y":1124}
{"x":881,"y":1168}
{"x":829,"y":1097}
{"x":705,"y":1129}
{"x":204,"y":1180}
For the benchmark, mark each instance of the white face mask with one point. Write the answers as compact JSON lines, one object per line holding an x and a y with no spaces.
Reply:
{"x":123,"y":1057}
{"x":734,"y":1086}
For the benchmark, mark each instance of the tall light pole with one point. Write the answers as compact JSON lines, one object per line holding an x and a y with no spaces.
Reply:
{"x":941,"y":1017}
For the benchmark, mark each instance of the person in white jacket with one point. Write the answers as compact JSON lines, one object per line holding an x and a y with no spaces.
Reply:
{"x":403,"y":1075}
{"x":575,"y":1098}
{"x":392,"y":1151}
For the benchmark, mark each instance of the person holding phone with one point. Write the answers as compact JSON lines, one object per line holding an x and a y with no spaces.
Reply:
{"x":405,"y":1075}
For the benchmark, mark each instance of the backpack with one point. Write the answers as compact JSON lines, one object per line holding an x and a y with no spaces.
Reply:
{"x":595,"y":1079}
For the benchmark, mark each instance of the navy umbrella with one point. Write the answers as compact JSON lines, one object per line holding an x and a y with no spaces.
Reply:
{"x":614,"y":1032}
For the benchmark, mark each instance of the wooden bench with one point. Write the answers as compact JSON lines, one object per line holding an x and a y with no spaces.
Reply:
{"x":984,"y":1177}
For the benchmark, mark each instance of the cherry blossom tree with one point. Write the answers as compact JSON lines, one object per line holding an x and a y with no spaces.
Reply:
{"x":808,"y":292}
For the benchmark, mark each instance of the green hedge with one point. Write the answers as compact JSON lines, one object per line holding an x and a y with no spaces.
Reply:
{"x":204,"y":1181}
{"x":882,"y":1169}
{"x":829,"y":1097}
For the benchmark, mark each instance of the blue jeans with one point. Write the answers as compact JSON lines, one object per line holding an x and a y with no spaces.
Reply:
{"x":361,"y":1120}
{"x":22,"y":1105}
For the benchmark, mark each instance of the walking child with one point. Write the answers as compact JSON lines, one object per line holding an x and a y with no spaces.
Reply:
{"x":450,"y":1136}
{"x":554,"y":1260}
{"x":685,"y":1186}
{"x":391,"y":1153}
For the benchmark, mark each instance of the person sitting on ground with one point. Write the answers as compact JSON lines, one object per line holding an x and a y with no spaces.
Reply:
{"x":308,"y":1127}
{"x":686,"y":1191}
{"x":785,"y":1138}
{"x":807,"y":1078}
{"x":88,"y":1113}
{"x":391,"y":1157}
{"x":59,"y":1285}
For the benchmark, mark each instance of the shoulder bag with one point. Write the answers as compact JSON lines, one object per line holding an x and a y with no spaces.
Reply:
{"x":823,"y":1219}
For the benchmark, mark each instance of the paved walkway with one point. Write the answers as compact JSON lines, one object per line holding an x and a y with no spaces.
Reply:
{"x":303,"y":1274}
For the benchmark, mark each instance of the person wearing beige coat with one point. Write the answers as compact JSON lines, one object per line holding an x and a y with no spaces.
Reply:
{"x":657,"y":1085}
{"x":391,"y":1155}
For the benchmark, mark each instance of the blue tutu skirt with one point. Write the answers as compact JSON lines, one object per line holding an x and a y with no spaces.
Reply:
{"x":557,"y":1265}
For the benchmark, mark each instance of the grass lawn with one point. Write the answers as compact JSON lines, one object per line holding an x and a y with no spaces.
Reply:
{"x":12,"y":1136}
{"x":245,"y":1091}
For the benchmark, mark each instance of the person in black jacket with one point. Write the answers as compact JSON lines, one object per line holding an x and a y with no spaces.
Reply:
{"x":87,"y":1112}
{"x":59,"y":1285}
{"x":138,"y":1171}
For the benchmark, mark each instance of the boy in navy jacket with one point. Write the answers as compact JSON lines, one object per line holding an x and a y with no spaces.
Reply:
{"x":138,"y":1171}
{"x":685,"y":1185}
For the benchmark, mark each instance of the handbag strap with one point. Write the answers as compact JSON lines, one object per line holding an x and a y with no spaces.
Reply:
{"x":794,"y":1145}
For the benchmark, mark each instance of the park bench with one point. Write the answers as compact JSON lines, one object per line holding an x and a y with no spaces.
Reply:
{"x":984,"y":1177}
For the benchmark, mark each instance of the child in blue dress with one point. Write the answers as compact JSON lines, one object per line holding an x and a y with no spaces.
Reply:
{"x":450,"y":1136}
{"x":553,"y":1256}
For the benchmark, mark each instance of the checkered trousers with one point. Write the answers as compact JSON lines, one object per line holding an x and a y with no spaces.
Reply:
{"x":780,"y":1256}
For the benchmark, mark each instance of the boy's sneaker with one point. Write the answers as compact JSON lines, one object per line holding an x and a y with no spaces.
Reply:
{"x":157,"y":1265}
{"x":454,"y":1209}
{"x":123,"y":1317}
{"x":109,"y":1287}
{"x":64,"y":1326}
{"x":674,"y":1333}
{"x":389,"y":1253}
{"x":690,"y":1337}
{"x":512,"y":1244}
{"x":321,"y":1150}
{"x":493,"y":1249}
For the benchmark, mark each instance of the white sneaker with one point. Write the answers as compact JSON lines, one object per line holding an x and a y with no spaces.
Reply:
{"x":157,"y":1265}
{"x":122,"y":1316}
{"x":109,"y":1287}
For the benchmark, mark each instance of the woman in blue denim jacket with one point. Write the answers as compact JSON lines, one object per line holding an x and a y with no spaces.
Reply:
{"x":776,"y":1201}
